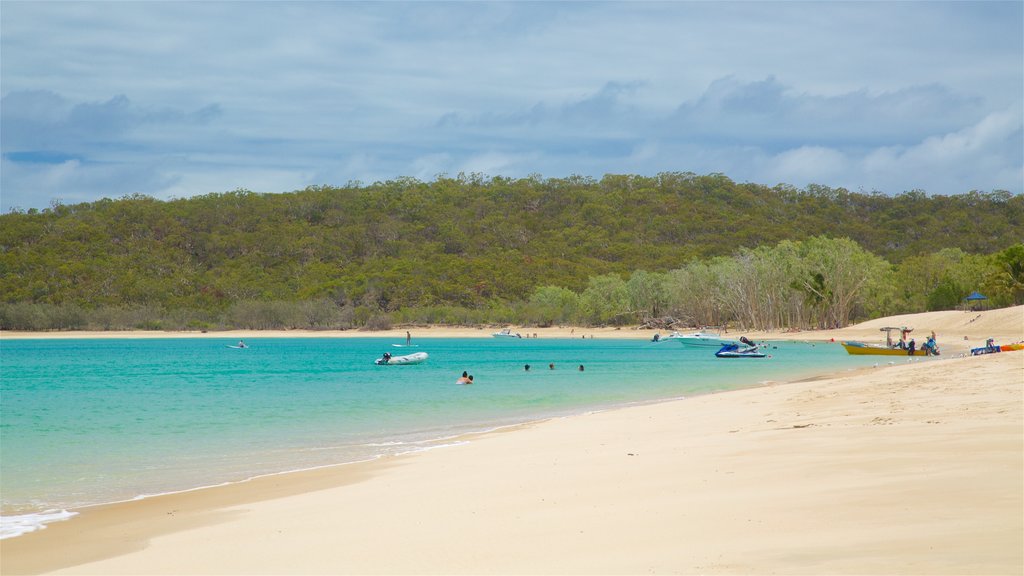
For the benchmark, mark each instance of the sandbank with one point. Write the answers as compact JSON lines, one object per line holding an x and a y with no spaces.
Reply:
{"x":913,"y":468}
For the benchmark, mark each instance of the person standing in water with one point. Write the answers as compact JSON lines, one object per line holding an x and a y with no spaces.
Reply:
{"x":408,"y":338}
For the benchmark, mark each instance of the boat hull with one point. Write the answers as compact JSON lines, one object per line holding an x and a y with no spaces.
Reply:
{"x":859,"y":348}
{"x":415,"y":358}
{"x":701,"y":339}
{"x":740,"y":355}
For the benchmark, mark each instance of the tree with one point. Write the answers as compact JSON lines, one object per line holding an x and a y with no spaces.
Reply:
{"x":837,"y":273}
{"x":552,"y":305}
{"x":605,"y":300}
{"x":1008,"y":276}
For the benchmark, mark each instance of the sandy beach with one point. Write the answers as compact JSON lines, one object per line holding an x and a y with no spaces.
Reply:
{"x":959,"y":330}
{"x":908,"y":468}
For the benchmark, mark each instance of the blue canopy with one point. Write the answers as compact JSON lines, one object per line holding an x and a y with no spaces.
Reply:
{"x":976,"y":296}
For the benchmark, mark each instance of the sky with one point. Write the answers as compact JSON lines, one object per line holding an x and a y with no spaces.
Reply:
{"x":176,"y":99}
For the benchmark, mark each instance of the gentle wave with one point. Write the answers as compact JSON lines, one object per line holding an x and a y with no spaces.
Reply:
{"x":11,"y":526}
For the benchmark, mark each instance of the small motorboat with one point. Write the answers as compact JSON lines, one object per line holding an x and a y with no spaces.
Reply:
{"x":699,"y":338}
{"x":736,"y":351}
{"x":388,"y":360}
{"x":892,"y":346}
{"x":506,"y":333}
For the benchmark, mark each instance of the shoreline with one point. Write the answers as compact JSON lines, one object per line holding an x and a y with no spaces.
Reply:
{"x":439,"y":442}
{"x":958,"y":331}
{"x":957,"y":423}
{"x":134,"y":536}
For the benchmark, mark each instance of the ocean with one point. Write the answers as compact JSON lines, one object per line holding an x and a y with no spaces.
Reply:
{"x":91,"y":421}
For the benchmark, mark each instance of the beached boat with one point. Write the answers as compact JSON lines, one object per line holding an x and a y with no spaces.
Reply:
{"x":893,"y":347}
{"x":506,"y":333}
{"x":388,"y":359}
{"x":700,"y":338}
{"x":860,"y":348}
{"x":735,"y":351}
{"x":991,"y":348}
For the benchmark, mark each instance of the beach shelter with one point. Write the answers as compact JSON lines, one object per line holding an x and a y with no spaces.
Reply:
{"x":975,"y":298}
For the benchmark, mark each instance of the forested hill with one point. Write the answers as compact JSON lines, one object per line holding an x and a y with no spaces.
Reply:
{"x":462,"y":241}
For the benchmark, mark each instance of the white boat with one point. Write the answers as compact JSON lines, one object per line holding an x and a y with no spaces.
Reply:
{"x":700,"y":338}
{"x":389,"y":360}
{"x":506,"y":333}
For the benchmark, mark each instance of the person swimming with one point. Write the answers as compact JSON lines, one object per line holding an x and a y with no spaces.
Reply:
{"x":464,"y":379}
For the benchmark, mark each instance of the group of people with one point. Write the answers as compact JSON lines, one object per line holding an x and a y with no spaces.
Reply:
{"x":467,"y":378}
{"x":930,"y":346}
{"x":550,"y":367}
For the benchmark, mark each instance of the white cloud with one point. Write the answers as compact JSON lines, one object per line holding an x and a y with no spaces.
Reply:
{"x":187,"y":98}
{"x":807,"y":164}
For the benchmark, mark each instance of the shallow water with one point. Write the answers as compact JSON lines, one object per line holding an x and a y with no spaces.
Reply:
{"x":93,"y":421}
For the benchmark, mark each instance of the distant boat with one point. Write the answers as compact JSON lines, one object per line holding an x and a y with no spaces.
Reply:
{"x":506,"y":333}
{"x":389,"y":360}
{"x":700,"y":338}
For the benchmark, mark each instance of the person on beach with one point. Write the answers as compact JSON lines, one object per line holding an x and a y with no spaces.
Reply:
{"x":465,"y":379}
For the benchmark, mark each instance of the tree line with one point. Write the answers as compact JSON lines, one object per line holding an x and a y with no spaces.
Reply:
{"x":476,"y":250}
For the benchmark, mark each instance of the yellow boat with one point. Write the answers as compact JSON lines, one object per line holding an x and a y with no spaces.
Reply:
{"x":891,"y":348}
{"x":878,"y":350}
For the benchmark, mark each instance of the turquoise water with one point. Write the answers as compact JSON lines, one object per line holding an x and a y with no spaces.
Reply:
{"x":93,"y":421}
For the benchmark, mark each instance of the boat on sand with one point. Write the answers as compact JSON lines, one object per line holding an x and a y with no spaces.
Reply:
{"x":991,"y":347}
{"x":894,"y":347}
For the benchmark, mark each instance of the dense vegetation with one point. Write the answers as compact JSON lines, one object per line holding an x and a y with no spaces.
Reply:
{"x":623,"y":249}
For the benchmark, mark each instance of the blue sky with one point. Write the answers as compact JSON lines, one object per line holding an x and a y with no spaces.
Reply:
{"x":175,"y":99}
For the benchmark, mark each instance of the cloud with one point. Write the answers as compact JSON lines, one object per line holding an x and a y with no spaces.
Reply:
{"x":986,"y":152}
{"x":769,"y":113}
{"x":44,"y":120}
{"x":176,"y":99}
